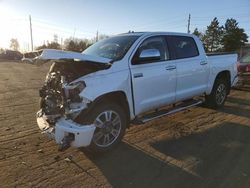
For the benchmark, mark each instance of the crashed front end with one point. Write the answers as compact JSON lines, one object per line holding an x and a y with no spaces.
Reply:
{"x":60,"y":106}
{"x":61,"y":103}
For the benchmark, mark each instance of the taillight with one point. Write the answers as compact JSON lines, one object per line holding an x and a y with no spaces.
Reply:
{"x":244,"y":68}
{"x":247,"y":68}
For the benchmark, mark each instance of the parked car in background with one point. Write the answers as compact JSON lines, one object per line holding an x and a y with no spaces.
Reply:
{"x":11,"y":55}
{"x":244,"y":70}
{"x":29,"y":56}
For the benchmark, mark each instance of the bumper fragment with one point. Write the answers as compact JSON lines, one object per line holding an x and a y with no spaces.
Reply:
{"x":83,"y":134}
{"x":45,"y":127}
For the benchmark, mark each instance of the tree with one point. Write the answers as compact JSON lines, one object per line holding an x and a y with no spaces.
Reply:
{"x":70,"y":45}
{"x":53,"y":45}
{"x":14,"y":44}
{"x":234,"y":37}
{"x":213,"y":36}
{"x":102,"y":36}
{"x":201,"y":36}
{"x":50,"y":45}
{"x":197,"y":33}
{"x":77,"y":45}
{"x":56,"y":38}
{"x":41,"y":47}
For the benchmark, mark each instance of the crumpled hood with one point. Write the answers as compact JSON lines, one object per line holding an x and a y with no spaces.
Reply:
{"x":52,"y":54}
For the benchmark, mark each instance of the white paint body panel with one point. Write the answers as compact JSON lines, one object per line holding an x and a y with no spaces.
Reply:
{"x":192,"y":74}
{"x":192,"y":78}
{"x":159,"y":87}
{"x":156,"y":88}
{"x":82,"y":133}
{"x":219,"y":63}
{"x":52,"y":54}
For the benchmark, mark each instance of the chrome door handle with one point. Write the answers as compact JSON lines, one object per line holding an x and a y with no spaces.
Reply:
{"x":138,"y":75}
{"x":203,"y":62}
{"x":171,"y":67}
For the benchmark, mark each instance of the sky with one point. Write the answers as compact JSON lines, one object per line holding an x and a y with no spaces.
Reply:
{"x":83,"y":18}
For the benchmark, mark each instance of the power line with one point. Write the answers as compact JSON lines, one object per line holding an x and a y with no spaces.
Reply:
{"x":223,"y":16}
{"x":59,"y":27}
{"x":165,"y":21}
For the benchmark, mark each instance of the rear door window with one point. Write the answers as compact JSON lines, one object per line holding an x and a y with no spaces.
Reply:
{"x":182,"y":47}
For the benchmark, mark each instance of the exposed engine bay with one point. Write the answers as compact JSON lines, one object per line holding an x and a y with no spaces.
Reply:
{"x":61,"y":101}
{"x":60,"y":97}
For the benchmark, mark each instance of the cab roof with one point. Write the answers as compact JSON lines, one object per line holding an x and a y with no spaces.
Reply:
{"x":146,"y":33}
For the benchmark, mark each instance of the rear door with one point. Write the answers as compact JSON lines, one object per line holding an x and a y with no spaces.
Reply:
{"x":153,"y":82}
{"x":192,"y":67}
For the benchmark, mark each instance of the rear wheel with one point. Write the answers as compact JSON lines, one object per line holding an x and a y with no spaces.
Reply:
{"x":219,"y":93}
{"x":110,"y":121}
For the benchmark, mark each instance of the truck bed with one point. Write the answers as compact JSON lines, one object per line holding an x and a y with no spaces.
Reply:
{"x":220,"y":53}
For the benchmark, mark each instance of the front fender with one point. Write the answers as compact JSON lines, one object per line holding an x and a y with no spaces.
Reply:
{"x":102,"y":84}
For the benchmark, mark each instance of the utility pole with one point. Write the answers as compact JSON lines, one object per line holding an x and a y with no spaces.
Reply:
{"x":31,"y":36}
{"x":97,"y":36}
{"x":74,"y":34}
{"x":189,"y":18}
{"x":61,"y":43}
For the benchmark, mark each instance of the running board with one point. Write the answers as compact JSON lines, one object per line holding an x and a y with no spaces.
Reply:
{"x":164,"y":112}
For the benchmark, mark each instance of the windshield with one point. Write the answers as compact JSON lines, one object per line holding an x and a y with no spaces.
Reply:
{"x":113,"y":48}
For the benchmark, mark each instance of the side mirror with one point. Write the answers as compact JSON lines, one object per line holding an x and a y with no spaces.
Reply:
{"x":150,"y":55}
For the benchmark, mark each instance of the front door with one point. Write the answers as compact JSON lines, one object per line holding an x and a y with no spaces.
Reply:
{"x":153,"y":82}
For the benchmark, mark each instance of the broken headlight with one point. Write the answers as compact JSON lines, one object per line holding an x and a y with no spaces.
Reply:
{"x":74,"y":89}
{"x":77,"y":86}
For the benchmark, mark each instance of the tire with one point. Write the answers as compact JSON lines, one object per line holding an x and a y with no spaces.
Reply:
{"x":219,"y":93}
{"x":111,"y":122}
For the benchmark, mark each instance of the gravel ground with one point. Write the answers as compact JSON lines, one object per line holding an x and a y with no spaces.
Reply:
{"x":198,"y":147}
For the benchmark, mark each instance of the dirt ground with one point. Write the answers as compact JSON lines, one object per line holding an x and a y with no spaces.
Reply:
{"x":198,"y":147}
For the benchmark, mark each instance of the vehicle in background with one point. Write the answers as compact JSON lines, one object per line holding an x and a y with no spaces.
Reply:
{"x":11,"y":55}
{"x":89,"y":99}
{"x":29,"y":56}
{"x":244,"y":70}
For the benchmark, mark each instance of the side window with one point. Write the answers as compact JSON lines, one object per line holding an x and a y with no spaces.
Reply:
{"x":183,"y":47}
{"x":158,"y":43}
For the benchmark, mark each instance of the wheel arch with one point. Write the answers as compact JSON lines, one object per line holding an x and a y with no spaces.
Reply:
{"x":118,"y":97}
{"x":224,"y":75}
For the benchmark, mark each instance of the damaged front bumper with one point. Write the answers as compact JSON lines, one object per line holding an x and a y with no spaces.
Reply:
{"x":80,"y":135}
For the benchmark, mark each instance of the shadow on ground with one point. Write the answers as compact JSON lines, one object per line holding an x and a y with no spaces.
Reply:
{"x":238,"y":101}
{"x":238,"y":108}
{"x":127,"y":166}
{"x":222,"y":153}
{"x":243,"y":88}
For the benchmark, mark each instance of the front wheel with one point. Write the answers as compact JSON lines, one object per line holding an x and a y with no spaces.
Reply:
{"x":110,"y":121}
{"x":218,"y":96}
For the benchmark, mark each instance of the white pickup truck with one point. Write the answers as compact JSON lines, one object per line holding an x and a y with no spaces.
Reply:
{"x":90,"y":98}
